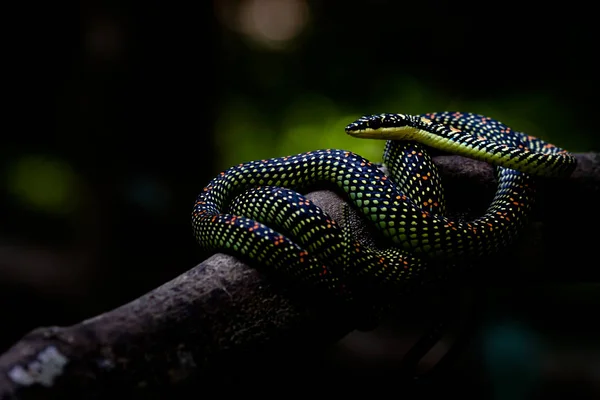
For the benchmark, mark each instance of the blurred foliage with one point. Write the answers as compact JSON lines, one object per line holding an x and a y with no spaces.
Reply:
{"x":311,"y":120}
{"x":43,"y":183}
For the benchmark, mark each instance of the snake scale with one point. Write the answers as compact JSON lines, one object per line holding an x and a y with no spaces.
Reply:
{"x":256,"y":211}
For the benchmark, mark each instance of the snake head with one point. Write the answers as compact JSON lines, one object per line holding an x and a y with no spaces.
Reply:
{"x":382,"y":126}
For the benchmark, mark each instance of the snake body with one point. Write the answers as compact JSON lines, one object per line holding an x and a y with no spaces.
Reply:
{"x":246,"y":211}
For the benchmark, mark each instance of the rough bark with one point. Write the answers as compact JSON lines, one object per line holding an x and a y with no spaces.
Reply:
{"x":222,"y":318}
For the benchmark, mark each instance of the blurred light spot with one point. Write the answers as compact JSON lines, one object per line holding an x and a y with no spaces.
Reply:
{"x":149,"y":194}
{"x":104,"y":38}
{"x":512,"y":356}
{"x":43,"y":183}
{"x":271,"y":23}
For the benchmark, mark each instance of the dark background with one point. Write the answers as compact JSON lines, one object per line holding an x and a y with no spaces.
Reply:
{"x":119,"y":112}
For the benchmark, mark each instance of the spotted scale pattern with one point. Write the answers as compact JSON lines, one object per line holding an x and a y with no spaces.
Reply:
{"x":417,"y":176}
{"x":395,"y":204}
{"x":256,"y":242}
{"x":298,"y":218}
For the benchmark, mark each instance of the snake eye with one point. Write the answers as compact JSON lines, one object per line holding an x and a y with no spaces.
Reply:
{"x":374,"y":122}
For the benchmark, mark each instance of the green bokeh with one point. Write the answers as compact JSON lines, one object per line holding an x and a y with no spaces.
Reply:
{"x":43,"y":183}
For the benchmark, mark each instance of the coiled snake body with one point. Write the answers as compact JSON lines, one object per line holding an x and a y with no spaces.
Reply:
{"x":254,"y":210}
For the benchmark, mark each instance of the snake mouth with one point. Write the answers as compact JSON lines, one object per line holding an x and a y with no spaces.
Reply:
{"x":380,"y":133}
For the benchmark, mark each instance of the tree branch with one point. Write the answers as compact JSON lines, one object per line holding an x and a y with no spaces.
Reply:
{"x":221,"y":318}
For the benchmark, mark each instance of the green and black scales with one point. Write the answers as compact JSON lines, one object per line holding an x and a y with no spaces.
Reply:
{"x":255,"y":209}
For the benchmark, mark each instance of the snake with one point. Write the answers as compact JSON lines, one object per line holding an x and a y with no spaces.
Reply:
{"x":257,"y":211}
